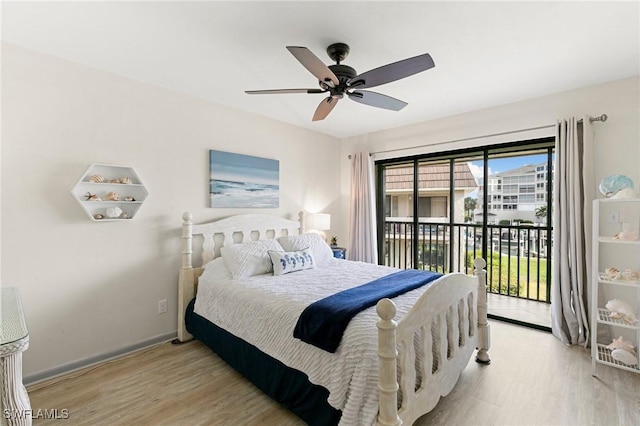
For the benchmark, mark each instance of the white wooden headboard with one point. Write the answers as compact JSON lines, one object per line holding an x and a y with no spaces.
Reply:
{"x":233,"y":230}
{"x":215,"y":235}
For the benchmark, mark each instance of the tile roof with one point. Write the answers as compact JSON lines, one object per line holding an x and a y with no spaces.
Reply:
{"x":430,"y":176}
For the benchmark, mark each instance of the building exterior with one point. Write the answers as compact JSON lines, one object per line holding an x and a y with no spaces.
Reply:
{"x":433,"y":210}
{"x":433,"y":191}
{"x":515,"y":195}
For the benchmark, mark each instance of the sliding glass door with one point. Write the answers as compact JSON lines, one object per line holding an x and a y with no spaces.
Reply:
{"x":438,"y":212}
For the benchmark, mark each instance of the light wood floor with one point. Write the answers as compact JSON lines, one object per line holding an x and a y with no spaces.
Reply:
{"x":533,"y":379}
{"x":523,"y":310}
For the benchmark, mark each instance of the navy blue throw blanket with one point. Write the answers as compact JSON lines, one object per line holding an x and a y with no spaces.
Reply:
{"x":322,"y":323}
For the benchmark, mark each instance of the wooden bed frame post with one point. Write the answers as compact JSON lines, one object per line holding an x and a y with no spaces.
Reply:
{"x":186,"y":290}
{"x":302,"y":221}
{"x":387,"y":353}
{"x":187,"y":228}
{"x":484,"y":343}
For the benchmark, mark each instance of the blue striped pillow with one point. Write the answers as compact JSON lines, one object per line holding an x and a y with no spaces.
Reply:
{"x":285,"y":262}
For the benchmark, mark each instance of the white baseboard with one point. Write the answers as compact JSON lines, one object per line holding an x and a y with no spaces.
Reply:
{"x":70,"y":367}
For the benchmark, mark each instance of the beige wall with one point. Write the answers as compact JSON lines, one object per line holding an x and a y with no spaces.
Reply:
{"x":92,"y":288}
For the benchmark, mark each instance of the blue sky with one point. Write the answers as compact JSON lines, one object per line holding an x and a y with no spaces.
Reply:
{"x":500,"y":165}
{"x":243,"y":168}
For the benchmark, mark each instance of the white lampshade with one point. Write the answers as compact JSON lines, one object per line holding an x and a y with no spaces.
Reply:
{"x":319,"y":221}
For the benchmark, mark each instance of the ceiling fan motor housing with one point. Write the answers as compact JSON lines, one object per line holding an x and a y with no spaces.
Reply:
{"x":344,"y":73}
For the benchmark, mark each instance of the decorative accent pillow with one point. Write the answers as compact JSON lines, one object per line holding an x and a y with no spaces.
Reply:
{"x":285,"y":262}
{"x":319,"y":248}
{"x":251,"y":258}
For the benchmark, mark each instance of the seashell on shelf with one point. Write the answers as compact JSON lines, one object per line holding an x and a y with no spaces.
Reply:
{"x":611,"y":185}
{"x":114,"y":212}
{"x":92,"y":197}
{"x":126,"y":180}
{"x":129,"y":198}
{"x":626,"y":275}
{"x":611,"y":273}
{"x":626,"y":236}
{"x":621,"y":310}
{"x":98,"y":216}
{"x":112,"y":196}
{"x":125,"y":215}
{"x":621,"y":343}
{"x":96,"y":179}
{"x":617,"y":305}
{"x":624,"y":356}
{"x":629,"y":275}
{"x":115,"y":180}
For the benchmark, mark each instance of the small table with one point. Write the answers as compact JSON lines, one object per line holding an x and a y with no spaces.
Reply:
{"x":15,"y":408}
{"x":339,"y":252}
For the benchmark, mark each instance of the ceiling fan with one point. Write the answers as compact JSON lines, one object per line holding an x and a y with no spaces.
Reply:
{"x":339,"y":80}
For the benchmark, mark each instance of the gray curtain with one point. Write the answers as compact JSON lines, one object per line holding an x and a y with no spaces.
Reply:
{"x":574,"y":191}
{"x":362,"y":216}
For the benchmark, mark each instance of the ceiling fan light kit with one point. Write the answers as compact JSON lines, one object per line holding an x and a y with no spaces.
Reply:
{"x":339,"y":80}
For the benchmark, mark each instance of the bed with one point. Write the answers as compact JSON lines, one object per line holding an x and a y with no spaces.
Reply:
{"x":395,"y":360}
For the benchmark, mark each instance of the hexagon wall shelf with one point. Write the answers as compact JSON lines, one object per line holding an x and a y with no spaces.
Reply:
{"x":110,"y":193}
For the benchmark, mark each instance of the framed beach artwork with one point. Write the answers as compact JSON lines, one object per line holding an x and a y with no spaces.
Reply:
{"x":237,"y":180}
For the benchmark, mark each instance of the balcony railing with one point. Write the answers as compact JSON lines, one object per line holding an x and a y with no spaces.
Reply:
{"x":517,"y":263}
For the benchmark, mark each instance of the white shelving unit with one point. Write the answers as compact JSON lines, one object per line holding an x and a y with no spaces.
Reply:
{"x":132,"y":193}
{"x":610,"y":217}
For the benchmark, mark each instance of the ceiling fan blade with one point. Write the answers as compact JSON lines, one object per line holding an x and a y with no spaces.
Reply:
{"x":377,"y":100}
{"x":282,"y":91}
{"x":325,"y":108}
{"x":392,"y":72}
{"x":313,"y":64}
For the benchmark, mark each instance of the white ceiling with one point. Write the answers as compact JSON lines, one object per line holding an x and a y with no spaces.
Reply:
{"x":486,"y":53}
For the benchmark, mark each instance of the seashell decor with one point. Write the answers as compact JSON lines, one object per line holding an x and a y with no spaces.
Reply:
{"x":92,"y":197}
{"x":621,"y":310}
{"x":112,"y":196}
{"x":623,"y":351}
{"x":125,"y":179}
{"x":621,"y":343}
{"x":625,"y":275}
{"x":114,"y":212}
{"x":611,"y":185}
{"x":100,"y":188}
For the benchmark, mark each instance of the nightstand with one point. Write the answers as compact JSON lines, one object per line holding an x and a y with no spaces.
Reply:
{"x":339,"y":252}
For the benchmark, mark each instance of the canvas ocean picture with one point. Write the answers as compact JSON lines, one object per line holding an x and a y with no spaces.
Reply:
{"x":237,"y":180}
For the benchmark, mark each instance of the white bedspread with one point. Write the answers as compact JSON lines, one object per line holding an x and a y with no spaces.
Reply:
{"x":264,"y":309}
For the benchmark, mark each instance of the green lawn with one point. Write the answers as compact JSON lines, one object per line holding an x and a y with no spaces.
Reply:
{"x":503,"y":269}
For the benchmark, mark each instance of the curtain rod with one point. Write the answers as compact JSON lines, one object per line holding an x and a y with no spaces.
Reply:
{"x":602,"y":118}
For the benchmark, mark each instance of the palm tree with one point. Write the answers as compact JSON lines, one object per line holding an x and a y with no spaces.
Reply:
{"x":470,"y":205}
{"x":541,"y":212}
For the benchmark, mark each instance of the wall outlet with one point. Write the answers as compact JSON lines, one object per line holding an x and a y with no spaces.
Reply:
{"x":613,"y":217}
{"x":162,"y":306}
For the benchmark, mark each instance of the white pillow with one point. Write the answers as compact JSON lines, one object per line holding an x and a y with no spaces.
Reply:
{"x":285,"y":262}
{"x":251,"y":258}
{"x":319,"y":248}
